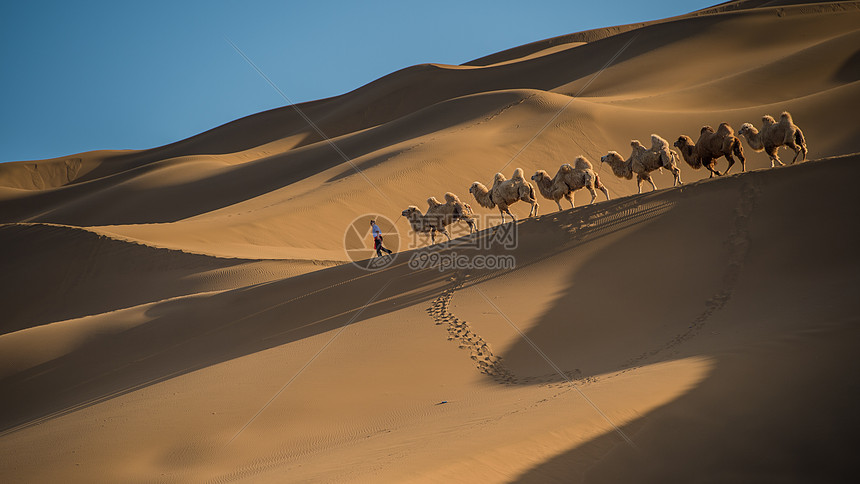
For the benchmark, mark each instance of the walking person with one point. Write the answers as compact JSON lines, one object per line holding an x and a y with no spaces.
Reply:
{"x":377,"y":239}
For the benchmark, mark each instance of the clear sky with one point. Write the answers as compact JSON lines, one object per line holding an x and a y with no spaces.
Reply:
{"x":85,"y":75}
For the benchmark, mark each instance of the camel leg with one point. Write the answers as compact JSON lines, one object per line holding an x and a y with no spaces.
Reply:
{"x":432,"y":235}
{"x":794,"y":147}
{"x":600,"y":186}
{"x":739,"y":152}
{"x":774,"y":157}
{"x":593,"y":195}
{"x":558,"y":202}
{"x":603,"y":189}
{"x":677,"y":173}
{"x":710,"y":167}
{"x":646,"y":177}
{"x":639,"y":183}
{"x":534,"y":205}
{"x":569,"y":198}
{"x":514,"y":219}
{"x":731,"y":160}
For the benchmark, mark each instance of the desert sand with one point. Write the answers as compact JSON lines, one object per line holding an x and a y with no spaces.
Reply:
{"x":190,"y":313}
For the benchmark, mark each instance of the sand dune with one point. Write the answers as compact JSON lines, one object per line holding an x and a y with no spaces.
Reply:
{"x":188,"y":313}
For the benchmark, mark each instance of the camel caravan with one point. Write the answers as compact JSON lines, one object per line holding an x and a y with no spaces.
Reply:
{"x":708,"y":148}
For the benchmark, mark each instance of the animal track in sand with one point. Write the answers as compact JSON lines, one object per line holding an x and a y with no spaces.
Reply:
{"x":480,"y":352}
{"x":460,"y":332}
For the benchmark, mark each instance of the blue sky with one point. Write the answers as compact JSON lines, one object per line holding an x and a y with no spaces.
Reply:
{"x":86,"y":75}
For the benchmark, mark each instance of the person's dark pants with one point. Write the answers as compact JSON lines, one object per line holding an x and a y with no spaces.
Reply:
{"x":377,"y":244}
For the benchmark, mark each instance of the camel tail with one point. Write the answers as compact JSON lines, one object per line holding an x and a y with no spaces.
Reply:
{"x":799,"y":140}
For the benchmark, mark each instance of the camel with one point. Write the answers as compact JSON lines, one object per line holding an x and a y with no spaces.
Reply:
{"x":643,"y":161}
{"x":773,"y":135}
{"x":567,"y":180}
{"x":553,"y":188}
{"x":423,"y":224}
{"x":505,"y":193}
{"x":710,"y":147}
{"x":439,"y":215}
{"x":454,"y":209}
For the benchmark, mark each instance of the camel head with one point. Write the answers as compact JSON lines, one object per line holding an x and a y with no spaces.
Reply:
{"x":474,"y":188}
{"x":746,"y":130}
{"x":610,"y":157}
{"x":683,"y":141}
{"x":540,"y":175}
{"x":411,"y":211}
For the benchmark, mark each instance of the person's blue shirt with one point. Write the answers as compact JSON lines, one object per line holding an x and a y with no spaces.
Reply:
{"x":376,"y":231}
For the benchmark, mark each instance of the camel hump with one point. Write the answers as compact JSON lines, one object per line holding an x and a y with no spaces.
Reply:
{"x":705,"y":129}
{"x":658,"y":143}
{"x":725,"y":130}
{"x":433,"y":202}
{"x":582,"y":164}
{"x":518,"y":174}
{"x":768,"y":119}
{"x":451,"y":198}
{"x":498,"y":178}
{"x":785,"y":118}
